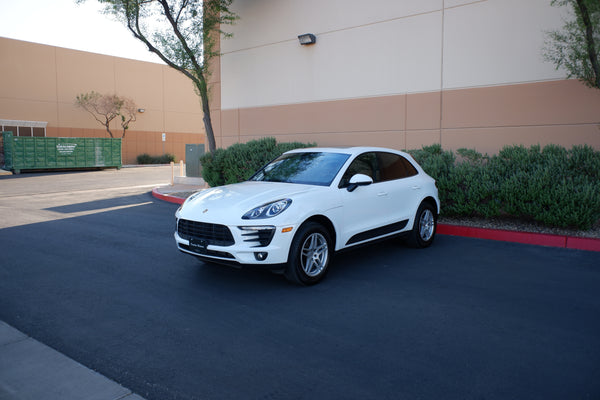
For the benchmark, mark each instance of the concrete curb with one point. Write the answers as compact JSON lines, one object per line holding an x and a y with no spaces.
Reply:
{"x":539,"y":239}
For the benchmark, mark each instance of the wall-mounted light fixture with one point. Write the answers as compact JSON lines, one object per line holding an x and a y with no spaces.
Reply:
{"x":307,"y":38}
{"x":141,"y":110}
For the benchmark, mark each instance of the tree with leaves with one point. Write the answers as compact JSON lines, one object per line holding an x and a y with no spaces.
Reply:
{"x":106,"y":107}
{"x":577,"y":46}
{"x":183,"y":33}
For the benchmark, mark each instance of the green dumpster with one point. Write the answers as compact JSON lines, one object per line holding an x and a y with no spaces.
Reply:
{"x":26,"y":153}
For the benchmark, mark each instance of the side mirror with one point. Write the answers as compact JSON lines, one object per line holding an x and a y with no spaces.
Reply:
{"x":359,"y":180}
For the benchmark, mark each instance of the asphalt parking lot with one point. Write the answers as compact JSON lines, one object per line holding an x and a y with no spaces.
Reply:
{"x":90,"y":269}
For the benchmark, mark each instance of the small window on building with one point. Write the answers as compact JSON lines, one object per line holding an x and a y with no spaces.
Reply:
{"x":24,"y":128}
{"x":25,"y":131}
{"x":12,"y":129}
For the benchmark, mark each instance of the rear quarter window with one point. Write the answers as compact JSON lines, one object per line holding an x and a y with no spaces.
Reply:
{"x":394,"y":166}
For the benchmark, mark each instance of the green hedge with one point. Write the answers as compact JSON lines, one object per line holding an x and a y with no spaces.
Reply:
{"x":553,"y":185}
{"x":240,"y":161}
{"x":148,"y":159}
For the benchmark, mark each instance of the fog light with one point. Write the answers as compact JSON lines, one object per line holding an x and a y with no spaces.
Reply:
{"x":261,"y":256}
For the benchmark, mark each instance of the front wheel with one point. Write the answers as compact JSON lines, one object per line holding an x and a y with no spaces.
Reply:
{"x":309,"y":256}
{"x":424,"y":227}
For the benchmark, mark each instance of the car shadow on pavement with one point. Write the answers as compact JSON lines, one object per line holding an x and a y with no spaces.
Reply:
{"x":356,"y":263}
{"x":123,"y":201}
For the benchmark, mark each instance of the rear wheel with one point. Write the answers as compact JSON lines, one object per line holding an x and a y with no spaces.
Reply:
{"x":424,"y":227}
{"x":310,"y":254}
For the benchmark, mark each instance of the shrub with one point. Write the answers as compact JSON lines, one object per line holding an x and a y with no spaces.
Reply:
{"x":240,"y":161}
{"x":148,"y":159}
{"x":440,"y":165}
{"x":553,"y":186}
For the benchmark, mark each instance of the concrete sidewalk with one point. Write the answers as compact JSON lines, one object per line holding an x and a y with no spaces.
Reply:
{"x":30,"y":370}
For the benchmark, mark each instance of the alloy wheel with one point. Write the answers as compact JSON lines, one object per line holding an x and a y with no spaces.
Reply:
{"x":426,"y":225}
{"x":314,"y":254}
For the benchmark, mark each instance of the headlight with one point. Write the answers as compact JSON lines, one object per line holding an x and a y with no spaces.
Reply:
{"x":268,"y":210}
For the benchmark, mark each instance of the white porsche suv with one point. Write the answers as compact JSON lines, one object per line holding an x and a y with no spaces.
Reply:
{"x":307,"y":204}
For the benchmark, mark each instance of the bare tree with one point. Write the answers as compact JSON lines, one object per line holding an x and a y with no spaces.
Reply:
{"x":106,"y":107}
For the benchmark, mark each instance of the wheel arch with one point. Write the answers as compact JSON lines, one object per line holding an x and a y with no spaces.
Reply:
{"x":326,"y":223}
{"x":433,"y":202}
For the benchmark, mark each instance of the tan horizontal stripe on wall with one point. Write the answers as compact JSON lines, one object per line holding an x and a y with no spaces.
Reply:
{"x":561,"y":112}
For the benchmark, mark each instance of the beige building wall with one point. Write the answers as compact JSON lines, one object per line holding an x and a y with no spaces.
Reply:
{"x":403,"y":74}
{"x":40,"y":83}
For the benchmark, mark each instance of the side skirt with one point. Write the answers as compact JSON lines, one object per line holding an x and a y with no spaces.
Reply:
{"x":373,"y":233}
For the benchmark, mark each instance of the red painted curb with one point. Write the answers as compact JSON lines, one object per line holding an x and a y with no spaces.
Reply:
{"x":166,"y":197}
{"x":578,"y":243}
{"x":539,"y":239}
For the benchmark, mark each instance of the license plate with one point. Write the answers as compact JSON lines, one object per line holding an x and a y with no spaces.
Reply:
{"x":198,"y":245}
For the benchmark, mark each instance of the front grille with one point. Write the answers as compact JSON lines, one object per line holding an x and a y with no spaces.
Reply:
{"x":218,"y":235}
{"x":261,"y":236}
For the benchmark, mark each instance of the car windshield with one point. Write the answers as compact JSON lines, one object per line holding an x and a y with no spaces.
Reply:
{"x":310,"y":168}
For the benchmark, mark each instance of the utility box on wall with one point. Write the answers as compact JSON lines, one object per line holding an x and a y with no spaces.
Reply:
{"x":28,"y":153}
{"x":192,"y":159}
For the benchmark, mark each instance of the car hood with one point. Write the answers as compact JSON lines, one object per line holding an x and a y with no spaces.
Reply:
{"x":227,"y":204}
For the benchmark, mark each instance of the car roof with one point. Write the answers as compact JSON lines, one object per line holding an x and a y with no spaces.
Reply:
{"x":345,"y":150}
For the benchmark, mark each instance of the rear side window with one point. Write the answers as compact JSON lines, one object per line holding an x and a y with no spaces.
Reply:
{"x":393,"y":166}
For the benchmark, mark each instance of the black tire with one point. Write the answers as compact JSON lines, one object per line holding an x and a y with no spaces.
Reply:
{"x":424,"y":227}
{"x":310,"y":254}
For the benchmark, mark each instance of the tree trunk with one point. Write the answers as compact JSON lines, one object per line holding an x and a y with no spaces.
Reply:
{"x":589,"y":37}
{"x":210,"y":135}
{"x":107,"y":126}
{"x":202,"y":88}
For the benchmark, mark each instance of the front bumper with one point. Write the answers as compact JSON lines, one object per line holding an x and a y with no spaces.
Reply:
{"x":243,"y":251}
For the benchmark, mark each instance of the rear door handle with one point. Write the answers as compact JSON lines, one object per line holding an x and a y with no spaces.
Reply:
{"x":415,"y":187}
{"x":382,"y":194}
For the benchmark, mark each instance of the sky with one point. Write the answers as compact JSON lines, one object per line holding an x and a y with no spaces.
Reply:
{"x":64,"y":23}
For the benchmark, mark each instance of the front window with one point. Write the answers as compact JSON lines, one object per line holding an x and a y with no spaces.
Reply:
{"x":309,"y":168}
{"x":365,"y":164}
{"x":380,"y":166}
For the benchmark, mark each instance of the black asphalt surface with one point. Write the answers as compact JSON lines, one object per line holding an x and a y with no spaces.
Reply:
{"x":463,"y":319}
